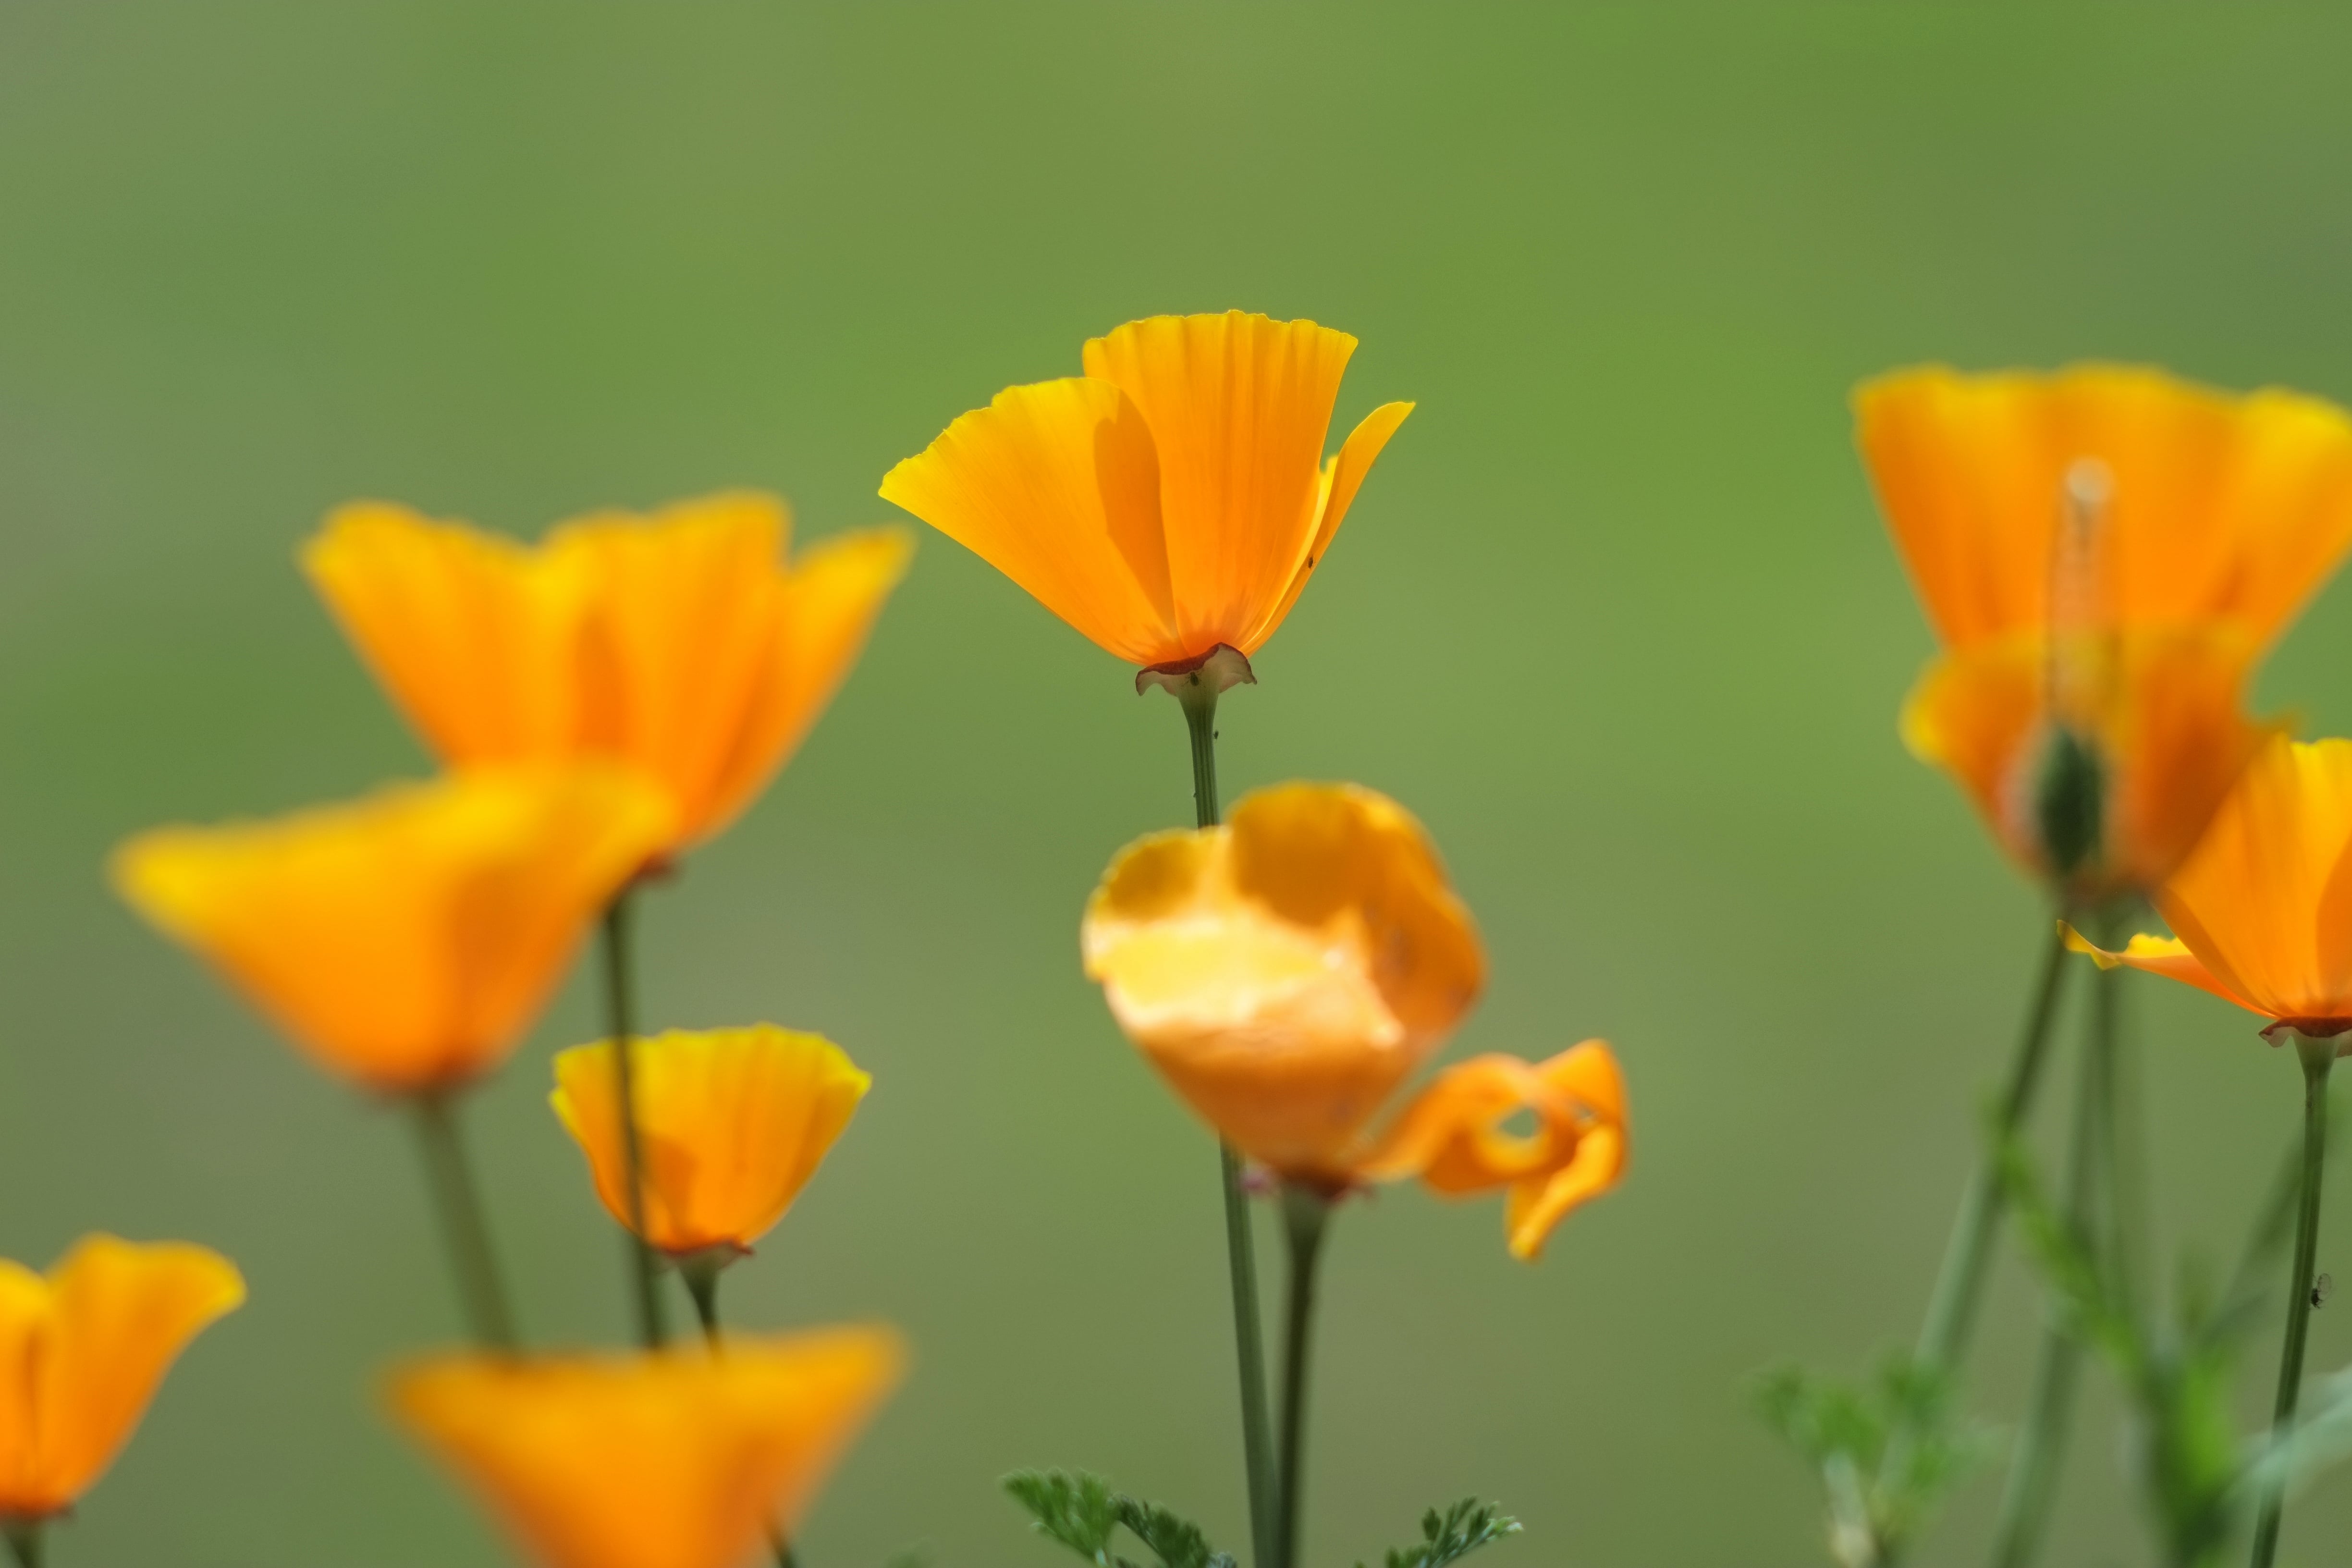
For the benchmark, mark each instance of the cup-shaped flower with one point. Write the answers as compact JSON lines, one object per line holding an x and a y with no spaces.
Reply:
{"x":1454,"y":1138}
{"x":85,"y":1347}
{"x":682,"y":642}
{"x":1287,"y":971}
{"x":731,"y":1124}
{"x":673,"y":1459}
{"x":1173,"y":499}
{"x":406,"y":939}
{"x":2105,"y":554}
{"x":2262,"y":911}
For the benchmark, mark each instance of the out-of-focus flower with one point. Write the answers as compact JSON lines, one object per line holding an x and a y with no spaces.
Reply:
{"x":681,"y":642}
{"x":1287,"y":971}
{"x":732,"y":1123}
{"x":1452,"y":1136}
{"x":406,"y":939}
{"x":673,"y":1459}
{"x":2262,"y":910}
{"x":1172,"y":499}
{"x":2105,"y":554}
{"x":85,"y":1347}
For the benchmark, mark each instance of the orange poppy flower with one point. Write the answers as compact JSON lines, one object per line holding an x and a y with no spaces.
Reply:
{"x":2105,"y":553}
{"x":406,"y":939}
{"x":732,"y":1123}
{"x":86,"y":1347}
{"x":2262,"y":910}
{"x":1172,"y":499}
{"x":680,"y":642}
{"x":1451,"y":1136}
{"x":673,"y":1459}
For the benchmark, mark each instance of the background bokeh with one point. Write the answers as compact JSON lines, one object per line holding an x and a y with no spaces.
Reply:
{"x":1614,"y":616}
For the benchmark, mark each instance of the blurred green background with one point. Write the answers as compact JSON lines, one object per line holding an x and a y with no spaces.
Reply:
{"x":1614,"y":616}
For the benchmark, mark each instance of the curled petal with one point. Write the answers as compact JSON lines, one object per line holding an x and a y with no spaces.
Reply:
{"x":1452,"y":1136}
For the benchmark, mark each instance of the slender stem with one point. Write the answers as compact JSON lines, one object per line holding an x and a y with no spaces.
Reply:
{"x":2041,"y":1452}
{"x":1199,"y":700}
{"x":1959,"y":1286}
{"x":621,"y":1027}
{"x":1304,"y":1213}
{"x":702,"y":1284}
{"x":464,"y":1226}
{"x":2318,"y":1057}
{"x":28,"y":1544}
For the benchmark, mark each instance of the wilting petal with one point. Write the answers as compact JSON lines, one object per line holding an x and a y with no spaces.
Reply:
{"x":1287,"y":971}
{"x":668,"y":1460}
{"x":471,"y":632}
{"x":407,"y":939}
{"x":1452,"y":1136}
{"x":2220,"y":506}
{"x":1238,"y":406}
{"x":2168,"y":732}
{"x":1342,"y":476}
{"x":87,"y":1347}
{"x":1057,"y":486}
{"x":732,"y":1123}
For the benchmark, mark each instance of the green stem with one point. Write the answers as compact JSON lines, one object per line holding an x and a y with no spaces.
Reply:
{"x":27,"y":1544}
{"x":1198,"y":700}
{"x":464,"y":1227}
{"x":2318,"y":1057}
{"x":621,"y":1028}
{"x":1304,"y":1213}
{"x":702,"y":1284}
{"x":1959,"y":1286}
{"x":2041,"y":1452}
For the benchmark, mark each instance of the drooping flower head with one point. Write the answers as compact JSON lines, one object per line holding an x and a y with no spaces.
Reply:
{"x":406,"y":939}
{"x":2105,"y":554}
{"x":731,"y":1124}
{"x":86,"y":1346}
{"x":683,"y":642}
{"x":2261,"y":910}
{"x":678,"y":1458}
{"x":1287,"y":971}
{"x":1172,"y":499}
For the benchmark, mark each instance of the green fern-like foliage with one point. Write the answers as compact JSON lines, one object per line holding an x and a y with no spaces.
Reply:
{"x":1083,"y":1512}
{"x":1454,"y":1534}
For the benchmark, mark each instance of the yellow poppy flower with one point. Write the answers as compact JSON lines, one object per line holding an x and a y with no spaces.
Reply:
{"x":85,"y":1348}
{"x":2105,"y":554}
{"x":1287,"y":971}
{"x":673,"y":1459}
{"x":732,"y":1123}
{"x":1453,"y":1137}
{"x":681,"y":642}
{"x":1172,"y":499}
{"x":406,"y":939}
{"x":2262,"y":910}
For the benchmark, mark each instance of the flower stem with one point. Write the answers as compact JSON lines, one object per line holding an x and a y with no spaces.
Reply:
{"x":620,"y":1019}
{"x":1199,"y":700}
{"x":464,"y":1225}
{"x":2318,"y":1057}
{"x":1304,"y":1213}
{"x":28,"y":1544}
{"x":702,"y":1284}
{"x":1959,"y":1286}
{"x":2033,"y":1474}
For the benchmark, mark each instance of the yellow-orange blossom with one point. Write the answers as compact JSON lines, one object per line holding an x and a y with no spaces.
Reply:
{"x":1287,"y":971}
{"x":85,"y":1347}
{"x":2105,"y":553}
{"x":732,"y":1123}
{"x":1173,"y":499}
{"x":681,"y":1458}
{"x":681,"y":643}
{"x":2262,"y":909}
